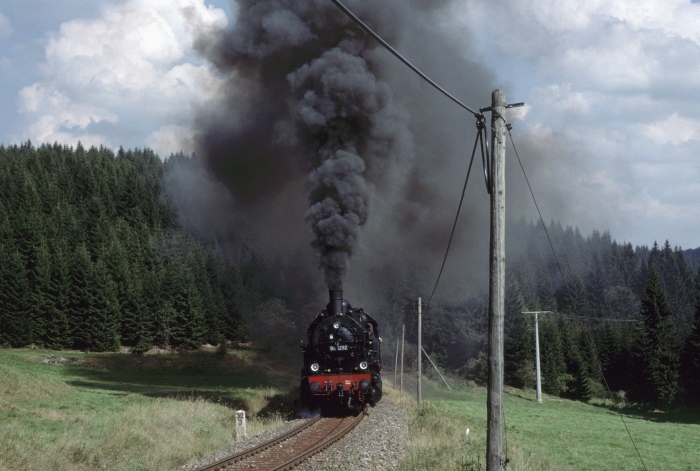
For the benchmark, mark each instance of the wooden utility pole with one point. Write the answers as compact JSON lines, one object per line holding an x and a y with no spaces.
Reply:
{"x":537,"y":360}
{"x":420,"y":348}
{"x":396,"y":364}
{"x":495,"y":459}
{"x":403,"y":335}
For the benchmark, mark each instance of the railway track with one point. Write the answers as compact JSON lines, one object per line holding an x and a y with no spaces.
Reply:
{"x":290,"y":449}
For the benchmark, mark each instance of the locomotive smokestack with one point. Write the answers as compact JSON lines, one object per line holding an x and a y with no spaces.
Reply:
{"x":335,"y":305}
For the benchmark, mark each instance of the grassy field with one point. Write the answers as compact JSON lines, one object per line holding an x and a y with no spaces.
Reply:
{"x":554,"y":435}
{"x":76,"y":411}
{"x":72,"y":411}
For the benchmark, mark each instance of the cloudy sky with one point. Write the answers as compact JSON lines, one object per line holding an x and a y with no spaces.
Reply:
{"x":612,"y":91}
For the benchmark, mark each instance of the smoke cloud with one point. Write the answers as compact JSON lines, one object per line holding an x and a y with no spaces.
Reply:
{"x":313,"y":106}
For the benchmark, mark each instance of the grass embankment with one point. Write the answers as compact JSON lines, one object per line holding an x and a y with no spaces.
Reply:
{"x":116,"y":412}
{"x":554,"y":435}
{"x":112,"y":411}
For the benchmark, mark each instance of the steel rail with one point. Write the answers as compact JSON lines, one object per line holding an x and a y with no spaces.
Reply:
{"x":295,"y":439}
{"x":223,"y":463}
{"x":321,"y":446}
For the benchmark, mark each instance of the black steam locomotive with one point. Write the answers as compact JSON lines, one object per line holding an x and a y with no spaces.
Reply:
{"x":342,"y":358}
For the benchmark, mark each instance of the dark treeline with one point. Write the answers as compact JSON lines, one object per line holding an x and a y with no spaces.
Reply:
{"x":631,"y":312}
{"x":596,"y":287}
{"x":93,"y":259}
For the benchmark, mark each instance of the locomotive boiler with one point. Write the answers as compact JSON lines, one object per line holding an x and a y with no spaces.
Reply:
{"x":342,"y":358}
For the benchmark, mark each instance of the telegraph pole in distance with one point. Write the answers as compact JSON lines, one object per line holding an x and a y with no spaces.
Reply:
{"x":396,"y":363}
{"x":495,"y":460}
{"x":537,"y":351}
{"x":403,"y":336}
{"x":420,"y":353}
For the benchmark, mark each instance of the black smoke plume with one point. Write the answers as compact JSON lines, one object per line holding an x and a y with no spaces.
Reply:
{"x":313,"y":106}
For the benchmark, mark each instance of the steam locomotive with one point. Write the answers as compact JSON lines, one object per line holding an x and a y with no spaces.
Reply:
{"x":342,"y":359}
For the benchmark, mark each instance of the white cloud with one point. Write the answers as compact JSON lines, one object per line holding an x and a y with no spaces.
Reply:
{"x":171,"y":139}
{"x":615,"y":84}
{"x":561,"y":16}
{"x":562,"y":98}
{"x":619,"y":62}
{"x":122,"y":53}
{"x":674,"y":130}
{"x":136,"y":60}
{"x":60,"y":118}
{"x":6,"y":28}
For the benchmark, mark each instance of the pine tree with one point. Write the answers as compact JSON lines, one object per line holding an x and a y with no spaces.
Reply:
{"x":577,"y":361}
{"x":519,"y":349}
{"x":182,"y":310}
{"x":655,"y":350}
{"x":613,"y":354}
{"x":57,"y":333}
{"x":100,"y":327}
{"x":691,"y":356}
{"x":78,"y":305}
{"x":15,"y":322}
{"x":552,"y":362}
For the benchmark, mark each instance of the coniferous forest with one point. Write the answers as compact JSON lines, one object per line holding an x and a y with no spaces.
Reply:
{"x":93,"y":258}
{"x":620,"y":318}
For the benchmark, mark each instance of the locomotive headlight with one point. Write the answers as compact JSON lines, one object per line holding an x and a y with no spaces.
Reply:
{"x":336,"y":325}
{"x":363,"y":365}
{"x":314,"y":367}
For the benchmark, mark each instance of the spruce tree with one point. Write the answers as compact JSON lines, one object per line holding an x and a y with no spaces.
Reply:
{"x":58,"y":328}
{"x":691,"y":356}
{"x":519,"y":349}
{"x":656,"y":353}
{"x":613,"y":347}
{"x":552,"y":362}
{"x":15,"y":322}
{"x":577,"y":385}
{"x":78,"y":305}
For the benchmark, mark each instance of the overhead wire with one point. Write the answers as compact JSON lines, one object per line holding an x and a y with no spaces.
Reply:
{"x":561,"y":314}
{"x":480,"y":130}
{"x":389,"y":48}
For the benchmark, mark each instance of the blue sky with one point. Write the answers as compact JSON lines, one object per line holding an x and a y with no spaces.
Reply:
{"x":612,"y":93}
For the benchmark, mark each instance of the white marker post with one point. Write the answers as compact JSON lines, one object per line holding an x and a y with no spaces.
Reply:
{"x":240,"y":424}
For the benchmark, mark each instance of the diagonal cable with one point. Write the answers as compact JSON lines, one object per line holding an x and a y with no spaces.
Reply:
{"x":479,"y":126}
{"x":389,"y":48}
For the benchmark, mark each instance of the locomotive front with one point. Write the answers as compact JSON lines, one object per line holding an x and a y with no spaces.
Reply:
{"x":342,"y":358}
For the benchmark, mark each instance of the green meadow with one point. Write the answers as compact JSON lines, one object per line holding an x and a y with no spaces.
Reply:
{"x":556,"y":434}
{"x":76,"y":411}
